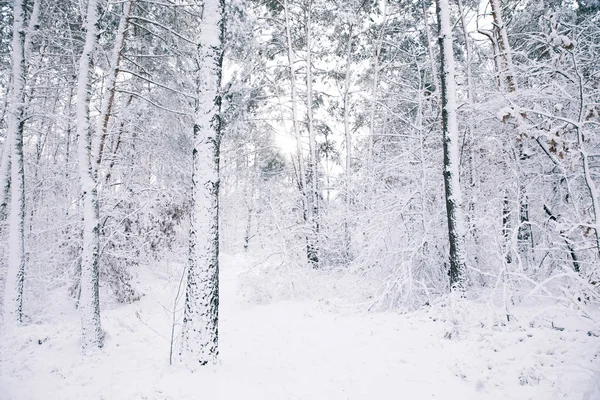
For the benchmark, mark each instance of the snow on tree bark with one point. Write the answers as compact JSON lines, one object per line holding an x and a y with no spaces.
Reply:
{"x":109,"y":94}
{"x":348,"y":147}
{"x":506,"y":72}
{"x":313,"y":250}
{"x":200,"y":333}
{"x":13,"y":293}
{"x":5,"y":176}
{"x":430,"y":51}
{"x":311,"y":244}
{"x":89,"y":301}
{"x":456,"y":230}
{"x":374,"y":86}
{"x":585,"y":161}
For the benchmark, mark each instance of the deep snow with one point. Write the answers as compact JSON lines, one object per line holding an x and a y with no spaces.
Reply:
{"x":309,"y":350}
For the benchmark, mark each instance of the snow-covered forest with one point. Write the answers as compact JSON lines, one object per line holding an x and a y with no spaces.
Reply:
{"x":300,"y":199}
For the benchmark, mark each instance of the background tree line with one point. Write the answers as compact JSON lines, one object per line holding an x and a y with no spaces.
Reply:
{"x":395,"y":148}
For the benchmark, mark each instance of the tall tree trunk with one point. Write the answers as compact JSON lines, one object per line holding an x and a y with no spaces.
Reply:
{"x":348,"y":135}
{"x":108,"y":97}
{"x":200,"y":334}
{"x":456,"y":230}
{"x":430,"y":51}
{"x":25,"y":53}
{"x":5,"y":173}
{"x":313,"y":251}
{"x":13,"y":292}
{"x":32,"y":27}
{"x":89,"y":302}
{"x":506,"y":74}
{"x":470,"y":135}
{"x":585,"y":161}
{"x":302,"y":181}
{"x":374,"y":86}
{"x":468,"y":52}
{"x":503,"y":46}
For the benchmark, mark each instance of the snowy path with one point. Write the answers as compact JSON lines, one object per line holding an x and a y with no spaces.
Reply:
{"x":295,"y":350}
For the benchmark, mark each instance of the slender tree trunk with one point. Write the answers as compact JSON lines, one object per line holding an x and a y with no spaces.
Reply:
{"x":13,"y":293}
{"x":506,"y":74}
{"x":470,"y":135}
{"x":374,"y":86}
{"x":585,"y":161}
{"x":430,"y":50}
{"x":506,"y":212}
{"x":27,"y":33}
{"x":468,"y":51}
{"x":564,"y":235}
{"x":503,"y":46}
{"x":302,"y":180}
{"x":348,"y":134}
{"x":5,"y":174}
{"x":108,"y":98}
{"x":200,"y":333}
{"x":32,"y":27}
{"x":456,"y":231}
{"x":495,"y":54}
{"x":250,"y":195}
{"x":89,"y":302}
{"x":313,"y":253}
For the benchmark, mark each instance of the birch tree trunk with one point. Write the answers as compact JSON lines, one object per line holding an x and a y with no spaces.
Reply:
{"x":503,"y":46}
{"x":200,"y":334}
{"x":5,"y":174}
{"x":456,"y":230}
{"x":430,"y":52}
{"x":374,"y":86}
{"x":470,"y":137}
{"x":109,"y":93}
{"x":89,"y":302}
{"x":506,"y":73}
{"x":13,"y":292}
{"x":302,"y":181}
{"x":313,"y":251}
{"x":348,"y":135}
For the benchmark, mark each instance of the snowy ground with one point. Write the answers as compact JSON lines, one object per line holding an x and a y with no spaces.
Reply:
{"x":307,"y":350}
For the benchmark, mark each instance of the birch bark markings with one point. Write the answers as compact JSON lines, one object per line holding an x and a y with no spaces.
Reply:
{"x":503,"y":46}
{"x":25,"y":34}
{"x":374,"y":86}
{"x":13,"y":157}
{"x":313,"y":253}
{"x":200,"y":333}
{"x":89,"y":301}
{"x":109,"y":94}
{"x":348,"y":135}
{"x":311,"y":245}
{"x":456,"y":230}
{"x":5,"y":174}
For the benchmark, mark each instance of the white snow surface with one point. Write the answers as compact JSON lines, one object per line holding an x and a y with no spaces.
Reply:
{"x":293,"y":349}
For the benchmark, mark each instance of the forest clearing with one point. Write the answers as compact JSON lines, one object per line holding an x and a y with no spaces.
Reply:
{"x":299,"y":199}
